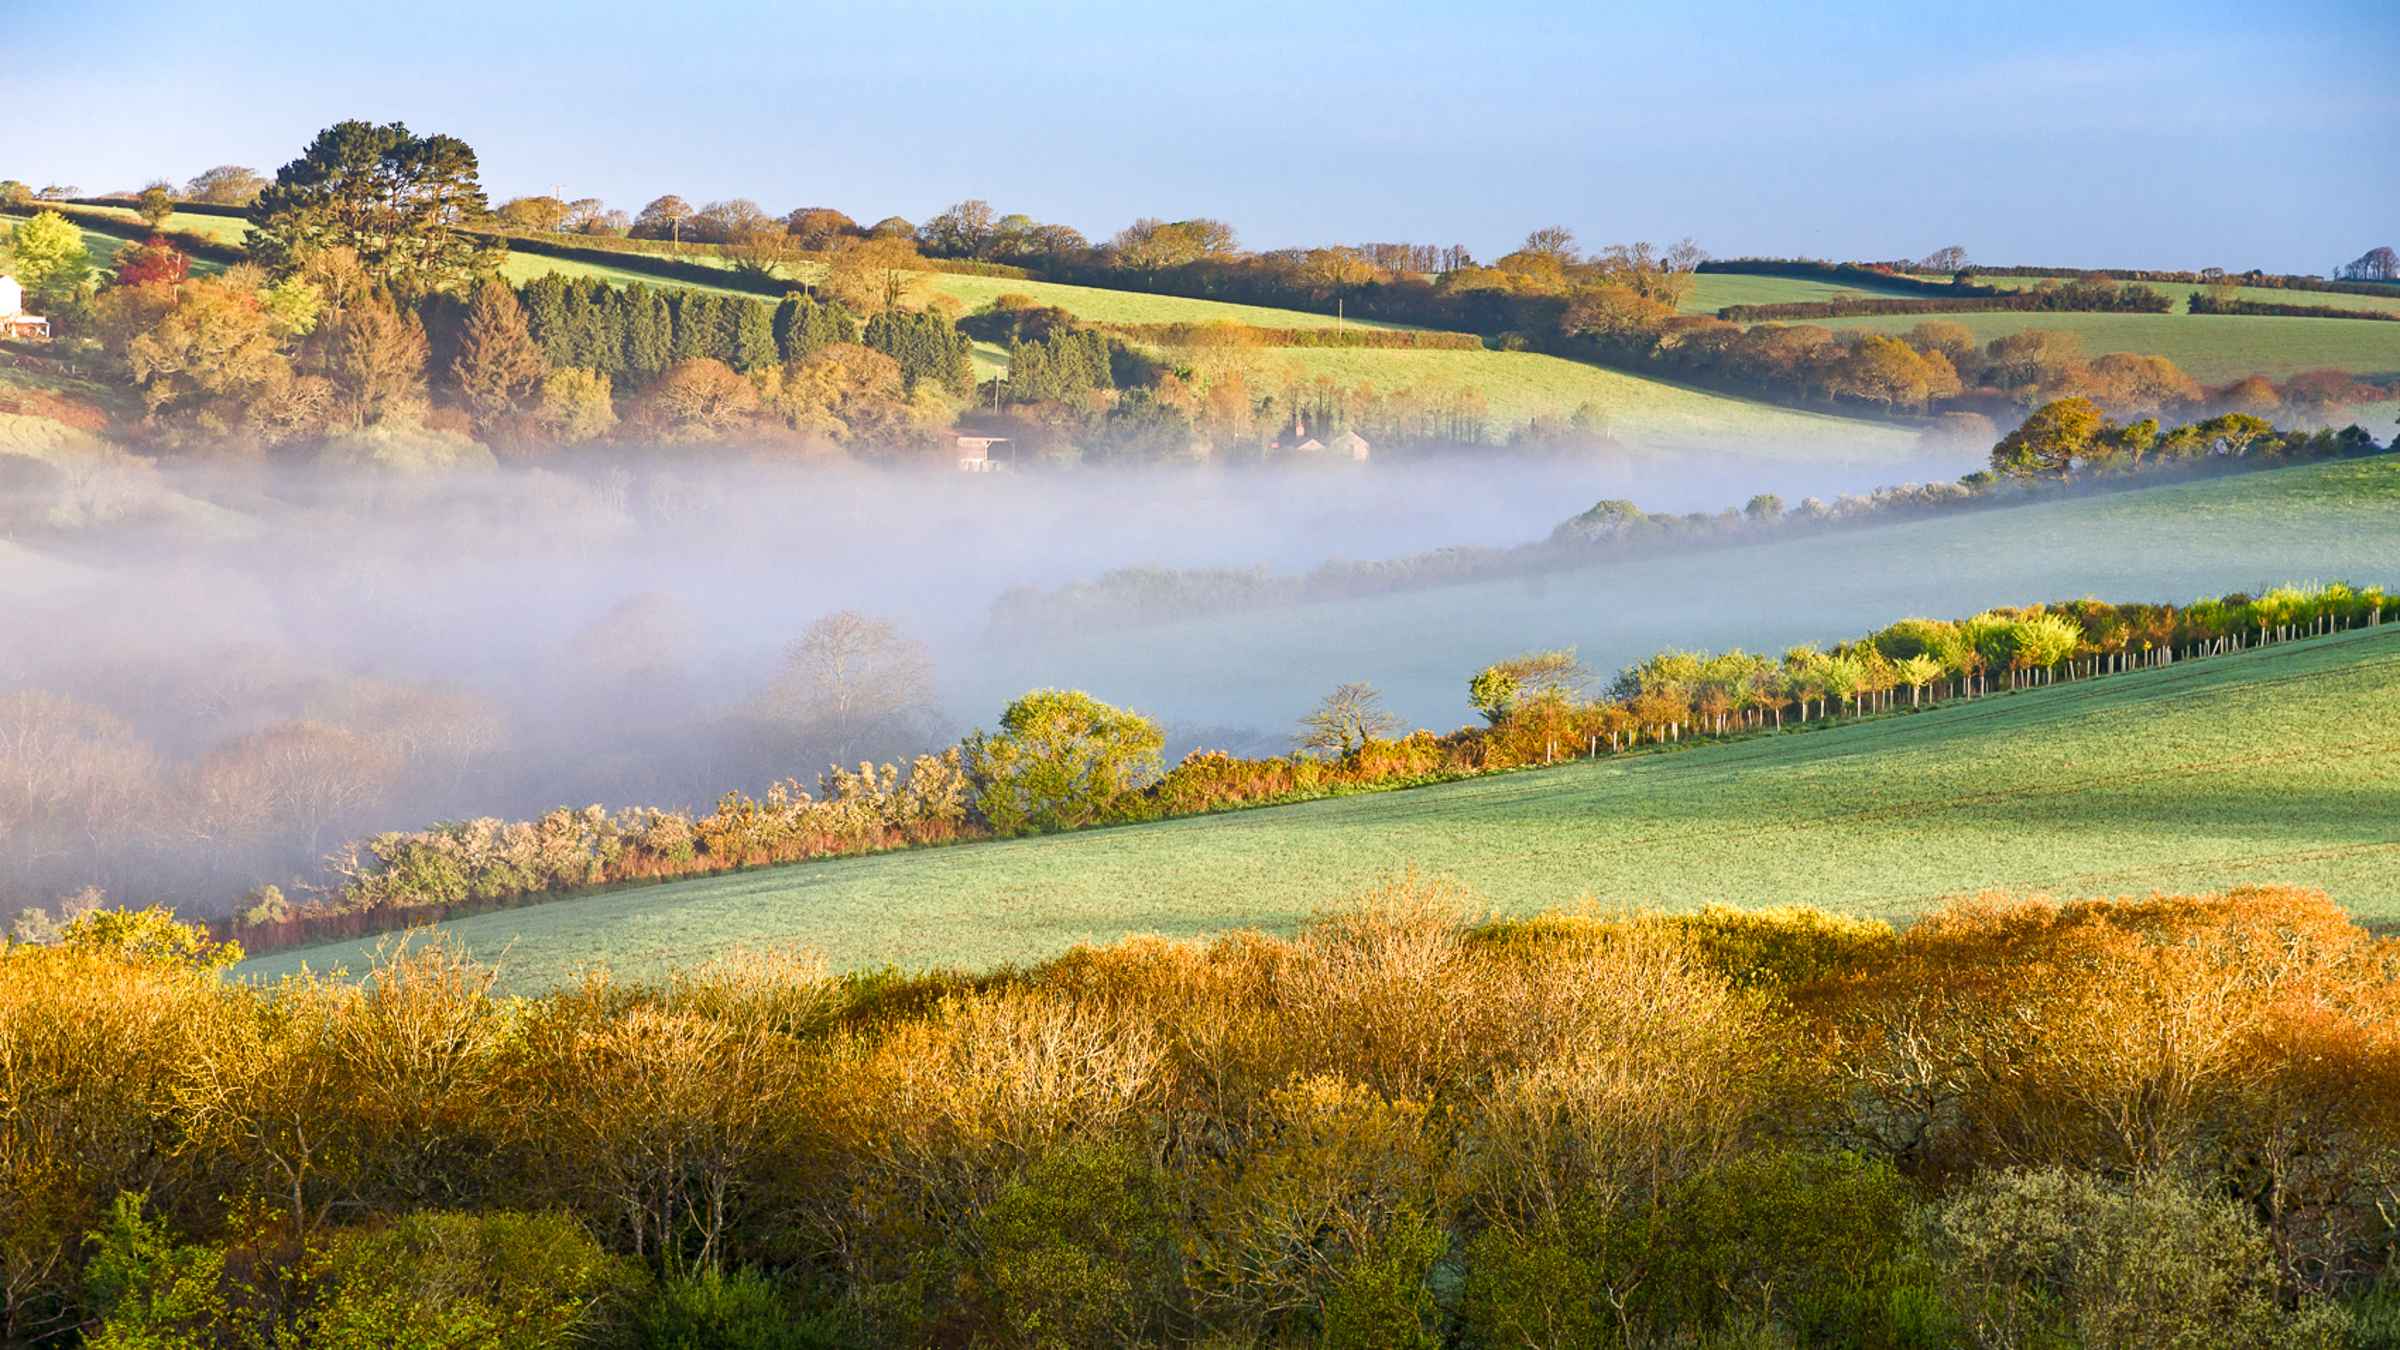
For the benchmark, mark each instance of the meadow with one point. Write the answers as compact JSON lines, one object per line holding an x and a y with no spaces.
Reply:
{"x":2212,"y":348}
{"x":2276,"y":765}
{"x":1712,"y":291}
{"x":2181,"y":292}
{"x":1654,"y":414}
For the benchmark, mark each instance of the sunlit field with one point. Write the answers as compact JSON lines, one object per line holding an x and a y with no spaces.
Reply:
{"x":1712,"y":291}
{"x":2213,"y":348}
{"x":1518,"y":386}
{"x":2180,"y":292}
{"x":2281,"y":764}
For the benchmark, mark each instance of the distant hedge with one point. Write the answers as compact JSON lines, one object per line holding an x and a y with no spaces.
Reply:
{"x":2261,"y":280}
{"x":620,"y":246}
{"x":2204,"y":303}
{"x":2081,"y":299}
{"x":187,"y":208}
{"x":198,"y":246}
{"x":1841,"y":273}
{"x":1190,"y":334}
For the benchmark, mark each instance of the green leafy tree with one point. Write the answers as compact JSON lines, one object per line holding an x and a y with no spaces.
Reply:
{"x":400,"y":201}
{"x":1496,"y":690}
{"x":498,"y":361}
{"x":2052,"y":441}
{"x":52,"y":262}
{"x":154,"y":204}
{"x":1061,"y":759}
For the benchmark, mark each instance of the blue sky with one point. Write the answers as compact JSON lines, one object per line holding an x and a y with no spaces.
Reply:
{"x":2036,"y":132}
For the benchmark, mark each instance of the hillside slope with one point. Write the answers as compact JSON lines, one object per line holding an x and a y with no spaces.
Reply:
{"x":2281,"y":764}
{"x":1265,"y":668}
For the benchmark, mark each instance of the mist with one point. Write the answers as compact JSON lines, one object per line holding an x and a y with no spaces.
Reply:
{"x":504,"y":643}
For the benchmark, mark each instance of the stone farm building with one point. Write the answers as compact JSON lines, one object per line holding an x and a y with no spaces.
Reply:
{"x":1295,"y":440}
{"x":983,"y":454}
{"x":14,"y":321}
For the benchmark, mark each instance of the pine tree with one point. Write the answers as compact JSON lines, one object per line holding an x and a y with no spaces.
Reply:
{"x":583,"y":325}
{"x":794,"y":320}
{"x":753,"y":336}
{"x":649,"y":333}
{"x":723,"y":319}
{"x":616,"y":320}
{"x":498,"y":361}
{"x":546,"y":317}
{"x":695,"y":314}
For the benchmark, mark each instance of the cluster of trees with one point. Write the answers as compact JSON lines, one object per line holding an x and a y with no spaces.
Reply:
{"x":2015,"y":1122}
{"x":369,"y":321}
{"x":2376,"y":264}
{"x":2073,"y":436}
{"x":327,"y":356}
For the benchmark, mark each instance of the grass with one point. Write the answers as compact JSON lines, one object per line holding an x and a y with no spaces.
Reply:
{"x":2214,"y":348}
{"x":1518,"y":386}
{"x":2181,"y":291}
{"x":222,"y":229}
{"x":2276,"y":765}
{"x":1712,"y":291}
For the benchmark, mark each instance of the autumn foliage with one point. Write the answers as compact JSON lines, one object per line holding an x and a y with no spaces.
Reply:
{"x":2015,"y":1121}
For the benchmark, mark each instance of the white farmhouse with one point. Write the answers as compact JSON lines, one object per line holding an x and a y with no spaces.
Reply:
{"x":14,"y":321}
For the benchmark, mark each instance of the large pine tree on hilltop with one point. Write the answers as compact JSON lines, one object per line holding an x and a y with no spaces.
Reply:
{"x":401,"y":201}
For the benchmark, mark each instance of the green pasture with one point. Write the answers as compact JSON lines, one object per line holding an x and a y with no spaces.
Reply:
{"x":2278,"y":765}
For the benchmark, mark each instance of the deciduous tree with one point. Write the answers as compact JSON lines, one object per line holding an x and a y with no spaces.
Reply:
{"x":1060,"y":759}
{"x":1349,"y":717}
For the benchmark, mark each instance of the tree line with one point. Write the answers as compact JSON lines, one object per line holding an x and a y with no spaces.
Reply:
{"x":1408,"y":1125}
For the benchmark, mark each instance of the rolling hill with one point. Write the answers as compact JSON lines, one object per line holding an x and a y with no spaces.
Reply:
{"x":2281,"y":764}
{"x":1262,"y":669}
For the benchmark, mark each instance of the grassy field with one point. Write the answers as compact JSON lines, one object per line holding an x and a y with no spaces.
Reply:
{"x":1712,"y":291}
{"x":2214,"y":348}
{"x":1260,"y":671}
{"x":2275,"y":765}
{"x":2181,"y":292}
{"x":1517,"y":386}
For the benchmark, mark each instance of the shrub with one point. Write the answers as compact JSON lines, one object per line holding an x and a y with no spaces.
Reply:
{"x":1080,"y":1250}
{"x":520,"y":1281}
{"x":1061,"y":759}
{"x":736,"y":1310}
{"x":2054,"y":1254}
